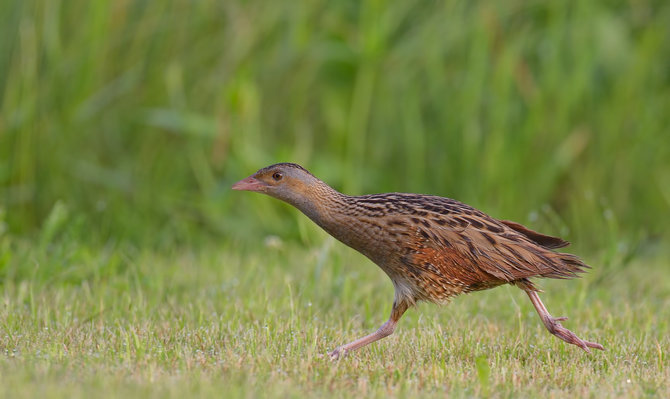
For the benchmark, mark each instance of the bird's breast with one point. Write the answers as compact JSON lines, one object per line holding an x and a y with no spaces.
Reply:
{"x":364,"y":235}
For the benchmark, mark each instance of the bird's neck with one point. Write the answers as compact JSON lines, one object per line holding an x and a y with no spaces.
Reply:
{"x":323,"y":204}
{"x":336,"y":214}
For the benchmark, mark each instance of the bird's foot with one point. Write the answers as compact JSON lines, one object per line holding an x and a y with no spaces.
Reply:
{"x":554,"y":326}
{"x":338,"y":353}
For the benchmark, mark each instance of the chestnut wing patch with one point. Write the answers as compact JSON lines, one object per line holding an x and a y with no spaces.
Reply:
{"x":469,"y":254}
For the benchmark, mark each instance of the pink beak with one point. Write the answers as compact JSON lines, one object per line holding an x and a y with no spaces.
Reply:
{"x":249,"y":184}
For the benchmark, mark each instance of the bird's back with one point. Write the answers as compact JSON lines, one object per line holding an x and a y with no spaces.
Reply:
{"x":434,"y":247}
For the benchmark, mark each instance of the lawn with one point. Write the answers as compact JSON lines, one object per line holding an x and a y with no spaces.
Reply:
{"x":129,"y":268}
{"x":258,"y":322}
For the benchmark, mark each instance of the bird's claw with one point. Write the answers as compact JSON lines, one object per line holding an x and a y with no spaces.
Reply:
{"x":555,"y":327}
{"x":337,"y":354}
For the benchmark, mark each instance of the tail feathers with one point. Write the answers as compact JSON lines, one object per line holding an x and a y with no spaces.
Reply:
{"x":566,"y":266}
{"x":546,"y":241}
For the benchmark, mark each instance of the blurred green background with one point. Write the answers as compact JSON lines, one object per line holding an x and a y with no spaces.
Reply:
{"x":127,"y":264}
{"x":127,"y":121}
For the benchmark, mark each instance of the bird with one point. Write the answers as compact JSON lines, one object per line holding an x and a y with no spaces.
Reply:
{"x":432,"y":248}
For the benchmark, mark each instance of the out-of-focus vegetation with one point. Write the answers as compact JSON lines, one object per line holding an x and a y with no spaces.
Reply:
{"x":129,"y":267}
{"x":128,"y":120}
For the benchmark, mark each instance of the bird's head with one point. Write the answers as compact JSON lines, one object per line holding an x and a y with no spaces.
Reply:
{"x":285,"y":181}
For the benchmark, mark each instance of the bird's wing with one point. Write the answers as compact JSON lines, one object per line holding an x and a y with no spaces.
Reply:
{"x":480,"y":252}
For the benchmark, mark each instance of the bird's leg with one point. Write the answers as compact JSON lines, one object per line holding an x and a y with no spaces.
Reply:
{"x":554,"y":326}
{"x":384,"y":331}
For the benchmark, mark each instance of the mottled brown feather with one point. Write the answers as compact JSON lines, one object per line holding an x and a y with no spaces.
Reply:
{"x":541,"y":239}
{"x":446,"y":247}
{"x":432,"y":248}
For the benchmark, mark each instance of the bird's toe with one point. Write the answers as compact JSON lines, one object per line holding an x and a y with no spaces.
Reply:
{"x":338,"y":353}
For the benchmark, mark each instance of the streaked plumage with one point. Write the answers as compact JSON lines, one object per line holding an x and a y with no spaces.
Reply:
{"x":432,"y":248}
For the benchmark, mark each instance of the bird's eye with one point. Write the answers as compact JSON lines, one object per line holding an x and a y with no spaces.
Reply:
{"x":277,"y":176}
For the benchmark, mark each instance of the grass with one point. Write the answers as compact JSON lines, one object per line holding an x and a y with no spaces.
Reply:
{"x":129,"y":268}
{"x":138,"y":117}
{"x":258,"y":321}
